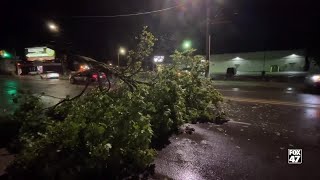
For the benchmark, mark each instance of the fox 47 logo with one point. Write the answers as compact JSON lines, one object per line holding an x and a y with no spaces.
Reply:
{"x":295,"y":156}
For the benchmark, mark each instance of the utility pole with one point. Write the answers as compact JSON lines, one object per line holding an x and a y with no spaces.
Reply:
{"x":208,"y":36}
{"x":118,"y":59}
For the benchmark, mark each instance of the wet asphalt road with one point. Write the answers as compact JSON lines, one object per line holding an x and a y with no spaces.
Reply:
{"x":54,"y":88}
{"x":266,"y":120}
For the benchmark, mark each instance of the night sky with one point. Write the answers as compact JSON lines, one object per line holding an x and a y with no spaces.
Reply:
{"x":251,"y":24}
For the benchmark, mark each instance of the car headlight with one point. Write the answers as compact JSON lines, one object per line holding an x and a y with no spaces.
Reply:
{"x":315,"y":78}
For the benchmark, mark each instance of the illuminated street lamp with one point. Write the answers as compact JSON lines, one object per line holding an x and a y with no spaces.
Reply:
{"x":187,"y":44}
{"x":122,"y":51}
{"x":53,"y":27}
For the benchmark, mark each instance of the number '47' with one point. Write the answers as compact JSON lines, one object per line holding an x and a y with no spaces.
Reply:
{"x":294,"y":159}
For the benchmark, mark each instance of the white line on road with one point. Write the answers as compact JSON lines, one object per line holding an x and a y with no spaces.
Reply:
{"x":226,"y":90}
{"x":239,"y":122}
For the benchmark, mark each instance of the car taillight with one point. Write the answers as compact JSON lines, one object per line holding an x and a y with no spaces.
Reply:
{"x":95,"y":76}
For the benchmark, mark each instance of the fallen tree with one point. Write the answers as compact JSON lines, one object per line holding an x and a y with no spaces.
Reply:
{"x":111,"y":133}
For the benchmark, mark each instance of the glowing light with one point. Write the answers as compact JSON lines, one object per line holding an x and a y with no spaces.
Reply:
{"x":187,"y":44}
{"x":6,"y":55}
{"x":53,"y":27}
{"x":235,"y":89}
{"x":84,"y":67}
{"x":158,"y":59}
{"x":122,"y":51}
{"x":315,"y":78}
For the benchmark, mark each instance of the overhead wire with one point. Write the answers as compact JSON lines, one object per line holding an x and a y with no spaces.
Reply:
{"x":133,"y":14}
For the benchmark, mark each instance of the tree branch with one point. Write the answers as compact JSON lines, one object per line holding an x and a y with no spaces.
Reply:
{"x":77,"y":96}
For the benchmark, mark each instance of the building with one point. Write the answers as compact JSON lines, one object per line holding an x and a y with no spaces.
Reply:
{"x":38,"y":60}
{"x":254,"y":63}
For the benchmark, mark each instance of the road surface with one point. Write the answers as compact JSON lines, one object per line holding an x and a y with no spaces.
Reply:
{"x":265,"y":120}
{"x":54,"y":89}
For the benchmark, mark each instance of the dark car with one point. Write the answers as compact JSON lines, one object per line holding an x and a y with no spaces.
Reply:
{"x":81,"y":77}
{"x":313,"y":81}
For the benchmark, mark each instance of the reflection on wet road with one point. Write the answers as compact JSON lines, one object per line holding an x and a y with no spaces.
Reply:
{"x":272,"y":95}
{"x":8,"y":89}
{"x":265,"y":123}
{"x":10,"y":86}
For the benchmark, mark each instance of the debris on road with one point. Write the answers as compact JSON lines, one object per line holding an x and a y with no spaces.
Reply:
{"x":204,"y":142}
{"x":220,"y":129}
{"x":189,"y":130}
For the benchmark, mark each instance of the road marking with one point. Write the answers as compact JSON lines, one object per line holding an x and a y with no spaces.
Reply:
{"x":275,"y":102}
{"x":231,"y":90}
{"x":239,"y":122}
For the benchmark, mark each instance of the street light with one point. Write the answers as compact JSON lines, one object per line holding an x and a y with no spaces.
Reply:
{"x":53,"y":27}
{"x":122,"y":51}
{"x":187,"y":44}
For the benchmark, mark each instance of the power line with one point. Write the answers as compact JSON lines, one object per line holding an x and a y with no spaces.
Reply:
{"x":133,"y":14}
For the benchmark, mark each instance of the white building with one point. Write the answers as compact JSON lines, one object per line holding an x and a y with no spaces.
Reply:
{"x":252,"y":63}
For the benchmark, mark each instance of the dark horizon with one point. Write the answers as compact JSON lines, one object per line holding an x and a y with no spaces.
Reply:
{"x":253,"y":26}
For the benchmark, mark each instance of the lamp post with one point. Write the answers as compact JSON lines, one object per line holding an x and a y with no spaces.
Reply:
{"x":121,"y":51}
{"x":58,"y":45}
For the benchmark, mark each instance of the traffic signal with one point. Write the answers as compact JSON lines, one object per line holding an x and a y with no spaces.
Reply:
{"x":4,"y":54}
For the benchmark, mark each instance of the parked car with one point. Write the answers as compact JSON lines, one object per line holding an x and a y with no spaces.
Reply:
{"x":49,"y":75}
{"x":231,"y":72}
{"x":313,"y":81}
{"x":84,"y":76}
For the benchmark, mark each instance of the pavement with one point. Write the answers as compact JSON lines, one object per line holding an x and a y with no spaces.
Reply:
{"x":266,"y":119}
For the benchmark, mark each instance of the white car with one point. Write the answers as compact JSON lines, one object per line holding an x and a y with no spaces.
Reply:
{"x":49,"y":75}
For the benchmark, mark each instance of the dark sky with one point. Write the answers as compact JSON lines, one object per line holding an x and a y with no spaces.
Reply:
{"x":252,"y":24}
